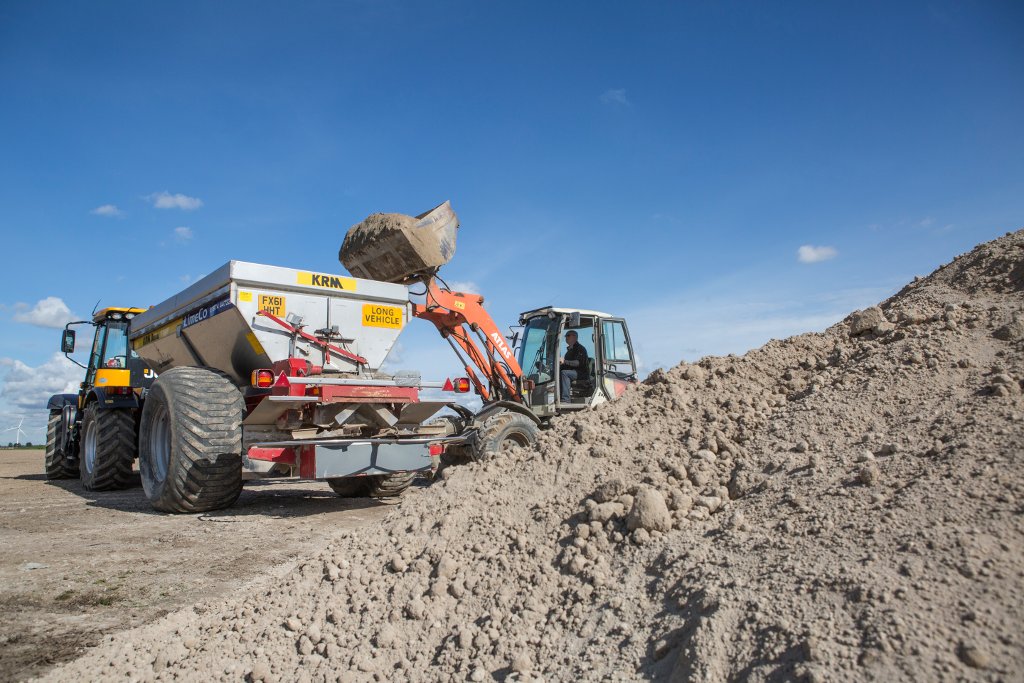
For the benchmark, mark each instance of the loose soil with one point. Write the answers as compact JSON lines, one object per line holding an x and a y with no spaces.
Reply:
{"x":838,"y":506}
{"x":110,"y":562}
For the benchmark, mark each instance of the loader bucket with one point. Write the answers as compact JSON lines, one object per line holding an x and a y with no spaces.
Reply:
{"x":393,"y":247}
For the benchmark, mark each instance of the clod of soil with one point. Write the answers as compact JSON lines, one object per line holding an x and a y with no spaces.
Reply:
{"x":835,"y":506}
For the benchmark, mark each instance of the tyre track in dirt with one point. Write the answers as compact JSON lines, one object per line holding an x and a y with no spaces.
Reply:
{"x":111,"y":562}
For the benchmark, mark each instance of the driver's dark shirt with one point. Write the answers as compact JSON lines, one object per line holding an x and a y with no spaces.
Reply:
{"x":577,"y":353}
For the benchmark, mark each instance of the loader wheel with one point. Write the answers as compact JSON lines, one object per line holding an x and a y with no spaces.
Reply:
{"x":58,"y":464}
{"x":107,"y":450}
{"x":504,"y":430}
{"x":190,"y":441}
{"x":387,"y":488}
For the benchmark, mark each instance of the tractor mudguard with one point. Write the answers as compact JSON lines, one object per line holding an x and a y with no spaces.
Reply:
{"x":108,"y":401}
{"x":58,"y":401}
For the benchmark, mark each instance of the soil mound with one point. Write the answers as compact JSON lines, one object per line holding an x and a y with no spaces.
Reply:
{"x":836,"y":506}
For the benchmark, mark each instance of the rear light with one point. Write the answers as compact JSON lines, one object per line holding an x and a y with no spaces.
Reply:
{"x":436,"y":449}
{"x":262,"y":379}
{"x":459,"y":386}
{"x":119,"y":391}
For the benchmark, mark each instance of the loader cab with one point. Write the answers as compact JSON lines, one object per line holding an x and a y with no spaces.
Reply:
{"x":611,"y":362}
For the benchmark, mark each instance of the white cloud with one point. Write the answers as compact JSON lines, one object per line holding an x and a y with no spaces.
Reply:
{"x":48,"y":312}
{"x":166,"y":200}
{"x":466,"y":286}
{"x":615,"y":96}
{"x":182,"y":234}
{"x":811,"y":254}
{"x":108,"y":210}
{"x":28,"y":388}
{"x":728,"y":316}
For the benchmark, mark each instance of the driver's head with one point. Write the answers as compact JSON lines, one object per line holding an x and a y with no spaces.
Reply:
{"x":570,"y":337}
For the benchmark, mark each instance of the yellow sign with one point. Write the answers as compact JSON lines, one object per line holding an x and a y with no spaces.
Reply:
{"x":273,"y":304}
{"x":330,"y":281}
{"x":245,"y":296}
{"x":460,"y":305}
{"x":375,"y":315}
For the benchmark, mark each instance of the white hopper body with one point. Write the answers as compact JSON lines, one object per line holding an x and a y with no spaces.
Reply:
{"x":215,"y":322}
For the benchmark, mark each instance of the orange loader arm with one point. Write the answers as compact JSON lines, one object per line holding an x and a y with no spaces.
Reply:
{"x":460,"y":317}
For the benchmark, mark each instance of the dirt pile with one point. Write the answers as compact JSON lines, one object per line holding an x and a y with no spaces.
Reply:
{"x":836,"y":506}
{"x":394,"y":247}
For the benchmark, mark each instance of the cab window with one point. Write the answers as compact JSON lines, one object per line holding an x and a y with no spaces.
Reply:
{"x":115,"y":353}
{"x":584,"y":337}
{"x":616,"y":347}
{"x":95,"y":356}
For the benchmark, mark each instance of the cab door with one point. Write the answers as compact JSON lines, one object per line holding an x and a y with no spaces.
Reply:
{"x":618,"y":364}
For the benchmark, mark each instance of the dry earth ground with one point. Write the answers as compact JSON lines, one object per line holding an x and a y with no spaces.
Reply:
{"x":111,"y":562}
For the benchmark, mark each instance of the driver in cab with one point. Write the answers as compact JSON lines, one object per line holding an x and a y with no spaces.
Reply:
{"x":572,"y":365}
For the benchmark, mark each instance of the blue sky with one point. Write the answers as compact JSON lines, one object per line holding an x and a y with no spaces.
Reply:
{"x":663,"y":161}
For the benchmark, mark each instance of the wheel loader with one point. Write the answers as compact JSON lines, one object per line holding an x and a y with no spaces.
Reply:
{"x":519,"y":380}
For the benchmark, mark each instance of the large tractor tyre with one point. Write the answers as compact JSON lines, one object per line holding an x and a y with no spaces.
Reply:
{"x":384,"y":487}
{"x":190,"y":441}
{"x":503,"y":430}
{"x":107,"y":448}
{"x":57,"y":463}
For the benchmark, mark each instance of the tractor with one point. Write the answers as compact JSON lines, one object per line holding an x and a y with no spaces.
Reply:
{"x":93,"y":435}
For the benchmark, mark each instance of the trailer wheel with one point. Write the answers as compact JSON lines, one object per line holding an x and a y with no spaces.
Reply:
{"x":504,"y":430}
{"x":190,"y":441}
{"x":58,"y":464}
{"x":385,"y":487}
{"x":454,"y":425}
{"x":108,"y":448}
{"x":350,"y":487}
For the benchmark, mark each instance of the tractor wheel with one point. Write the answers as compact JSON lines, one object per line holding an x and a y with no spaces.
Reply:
{"x":190,"y":441}
{"x":108,"y":448}
{"x":58,"y":465}
{"x":504,"y":430}
{"x":385,"y":487}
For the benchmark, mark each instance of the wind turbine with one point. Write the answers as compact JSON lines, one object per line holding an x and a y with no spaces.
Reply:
{"x":20,"y":433}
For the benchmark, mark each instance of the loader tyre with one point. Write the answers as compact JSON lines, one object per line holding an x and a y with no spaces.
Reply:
{"x":384,"y":487}
{"x":107,"y":448}
{"x":58,"y":464}
{"x":190,"y":441}
{"x":503,"y":430}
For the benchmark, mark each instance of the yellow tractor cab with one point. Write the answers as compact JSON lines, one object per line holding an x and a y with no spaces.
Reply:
{"x":108,"y":402}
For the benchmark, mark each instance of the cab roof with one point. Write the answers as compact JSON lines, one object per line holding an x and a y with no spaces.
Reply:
{"x":104,"y":313}
{"x":562,"y":311}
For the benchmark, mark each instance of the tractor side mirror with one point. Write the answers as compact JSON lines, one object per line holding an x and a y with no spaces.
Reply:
{"x":67,"y":342}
